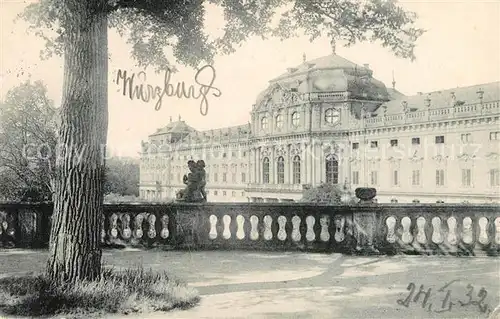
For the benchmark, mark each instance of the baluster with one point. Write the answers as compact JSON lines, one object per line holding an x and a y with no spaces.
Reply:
{"x":483,"y":233}
{"x":391,"y":235}
{"x":339,"y":228}
{"x":467,"y":230}
{"x":240,"y":221}
{"x":227,"y":222}
{"x":103,"y":231}
{"x":497,"y":230}
{"x":164,"y":227}
{"x":407,"y":236}
{"x":452,"y":233}
{"x":126,"y":231}
{"x":296,"y":228}
{"x":151,"y":227}
{"x":281,"y":231}
{"x":268,"y":234}
{"x":138,"y":225}
{"x":437,"y":236}
{"x":421,"y":238}
{"x":310,"y":220}
{"x":114,"y":222}
{"x":213,"y":230}
{"x":324,"y":222}
{"x":254,"y":232}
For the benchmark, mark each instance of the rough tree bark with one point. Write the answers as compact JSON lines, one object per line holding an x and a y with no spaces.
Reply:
{"x":74,"y":252}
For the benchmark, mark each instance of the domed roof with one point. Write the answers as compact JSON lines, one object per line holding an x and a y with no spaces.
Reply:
{"x":329,"y":62}
{"x":331,"y":73}
{"x":174,"y":127}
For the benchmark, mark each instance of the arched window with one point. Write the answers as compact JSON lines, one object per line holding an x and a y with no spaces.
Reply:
{"x":331,"y":116}
{"x":280,"y":169}
{"x":279,"y":121}
{"x":265,"y":171}
{"x":296,"y":169}
{"x":332,"y":170}
{"x":264,"y":123}
{"x":295,"y":118}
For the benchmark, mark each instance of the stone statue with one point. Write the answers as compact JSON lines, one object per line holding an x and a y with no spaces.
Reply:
{"x":195,"y":184}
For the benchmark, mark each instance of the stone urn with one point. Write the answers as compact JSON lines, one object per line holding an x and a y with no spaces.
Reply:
{"x":365,"y":194}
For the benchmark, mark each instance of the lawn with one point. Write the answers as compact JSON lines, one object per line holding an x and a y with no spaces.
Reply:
{"x":117,"y":292}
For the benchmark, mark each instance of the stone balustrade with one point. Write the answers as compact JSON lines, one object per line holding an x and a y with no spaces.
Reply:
{"x":365,"y":228}
{"x":421,"y":116}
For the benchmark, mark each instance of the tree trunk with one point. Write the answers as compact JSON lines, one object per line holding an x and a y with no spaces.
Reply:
{"x":74,"y":251}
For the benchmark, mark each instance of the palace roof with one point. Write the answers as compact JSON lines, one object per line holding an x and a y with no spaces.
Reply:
{"x":443,"y":98}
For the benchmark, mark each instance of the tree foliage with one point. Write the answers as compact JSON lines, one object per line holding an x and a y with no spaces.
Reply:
{"x":28,"y":121}
{"x":121,"y":177}
{"x":153,"y":26}
{"x":327,"y":193}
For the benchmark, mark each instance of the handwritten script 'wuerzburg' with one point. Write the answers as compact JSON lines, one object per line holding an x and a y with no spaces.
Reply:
{"x":147,"y":92}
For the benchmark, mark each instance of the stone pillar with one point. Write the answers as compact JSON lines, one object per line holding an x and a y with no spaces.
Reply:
{"x":365,"y":221}
{"x":272,"y":167}
{"x":258,"y":165}
{"x":303,"y":163}
{"x":287,"y":165}
{"x":310,"y":164}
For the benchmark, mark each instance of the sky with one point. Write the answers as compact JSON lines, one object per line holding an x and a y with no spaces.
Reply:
{"x":460,"y":48}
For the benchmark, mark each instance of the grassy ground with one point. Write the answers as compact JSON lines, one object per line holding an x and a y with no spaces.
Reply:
{"x":118,"y":292}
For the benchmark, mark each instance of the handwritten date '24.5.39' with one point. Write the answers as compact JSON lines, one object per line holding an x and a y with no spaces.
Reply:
{"x":442,"y":300}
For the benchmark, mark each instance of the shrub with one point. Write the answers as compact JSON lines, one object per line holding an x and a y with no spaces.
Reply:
{"x":133,"y":290}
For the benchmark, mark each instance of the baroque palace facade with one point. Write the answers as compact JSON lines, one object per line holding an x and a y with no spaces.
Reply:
{"x":329,"y":120}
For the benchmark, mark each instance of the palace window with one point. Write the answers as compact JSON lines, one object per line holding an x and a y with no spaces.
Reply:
{"x":296,"y":169}
{"x":295,"y":119}
{"x":415,"y":177}
{"x":265,"y":170}
{"x":440,"y":177}
{"x":331,"y":116}
{"x":244,"y":153}
{"x":243,"y":177}
{"x":233,"y":177}
{"x":215,"y":193}
{"x":355,"y":146}
{"x":279,"y":121}
{"x":374,"y":144}
{"x":223,"y":193}
{"x":223,"y":155}
{"x":415,"y":141}
{"x":178,"y":177}
{"x":395,"y":178}
{"x":466,"y":177}
{"x":280,"y":169}
{"x":264,"y":123}
{"x":374,"y":178}
{"x":355,"y":178}
{"x":332,"y":169}
{"x":394,"y":143}
{"x":224,"y":177}
{"x":394,"y":200}
{"x":439,"y":139}
{"x":494,"y":136}
{"x":233,"y":154}
{"x":495,"y":177}
{"x":233,"y":194}
{"x":466,"y":138}
{"x":215,"y":177}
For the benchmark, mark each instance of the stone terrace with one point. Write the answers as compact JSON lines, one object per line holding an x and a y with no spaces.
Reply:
{"x":236,"y":284}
